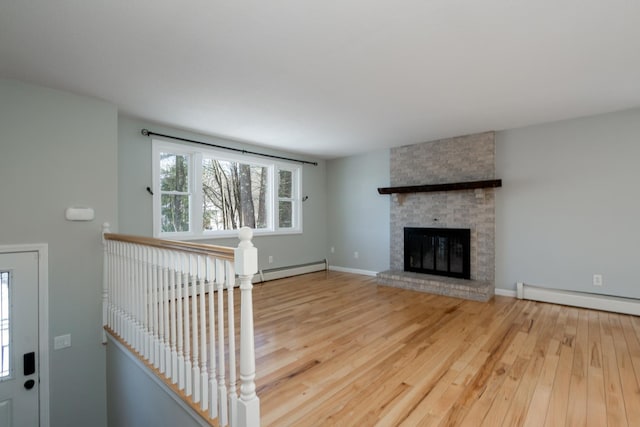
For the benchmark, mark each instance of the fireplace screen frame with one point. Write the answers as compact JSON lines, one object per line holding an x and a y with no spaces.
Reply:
{"x":437,"y":235}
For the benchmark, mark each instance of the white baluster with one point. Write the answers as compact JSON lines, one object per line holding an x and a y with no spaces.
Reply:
{"x":194,"y":330}
{"x":113,"y":278}
{"x":167,"y":327}
{"x":140,"y":291}
{"x":123,"y":292}
{"x":121,"y":281}
{"x":222,"y":387}
{"x":114,"y":281}
{"x":135,"y":303}
{"x":155,"y":307}
{"x":128,"y":295}
{"x":119,"y":292}
{"x":233,"y":395}
{"x":204,"y":374}
{"x":166,"y":346}
{"x":112,"y":289}
{"x":246,"y":262}
{"x":105,"y":282}
{"x":135,"y":296}
{"x":179,"y":287}
{"x":213,"y":383}
{"x":147,"y":303}
{"x":124,"y":284}
{"x":163,"y":314}
{"x":187,"y":330}
{"x":114,"y":286}
{"x":135,"y":282}
{"x":172,"y":286}
{"x":110,"y":284}
{"x":114,"y":295}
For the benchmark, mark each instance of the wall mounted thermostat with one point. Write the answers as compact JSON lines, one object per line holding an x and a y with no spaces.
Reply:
{"x":79,"y":214}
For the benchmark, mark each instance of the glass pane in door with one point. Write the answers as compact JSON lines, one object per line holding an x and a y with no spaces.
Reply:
{"x":456,"y":255}
{"x":5,"y":337}
{"x":414,"y":252}
{"x":442,"y":254}
{"x":427,"y":252}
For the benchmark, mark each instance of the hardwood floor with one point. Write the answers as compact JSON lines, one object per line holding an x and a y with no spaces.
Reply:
{"x":335,"y":349}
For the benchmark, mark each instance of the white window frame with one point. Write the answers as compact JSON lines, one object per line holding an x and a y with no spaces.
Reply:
{"x":196,"y":155}
{"x":295,"y":194}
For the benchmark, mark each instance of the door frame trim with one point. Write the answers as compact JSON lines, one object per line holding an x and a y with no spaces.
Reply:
{"x":42,"y":249}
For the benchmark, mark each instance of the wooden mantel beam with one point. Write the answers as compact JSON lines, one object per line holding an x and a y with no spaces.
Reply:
{"x":452,"y":186}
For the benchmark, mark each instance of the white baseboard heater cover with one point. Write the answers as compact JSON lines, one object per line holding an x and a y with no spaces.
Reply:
{"x":579,"y":299}
{"x":294,"y":270}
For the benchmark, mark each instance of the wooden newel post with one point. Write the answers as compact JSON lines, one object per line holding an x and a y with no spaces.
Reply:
{"x":246,"y":265}
{"x":105,"y":282}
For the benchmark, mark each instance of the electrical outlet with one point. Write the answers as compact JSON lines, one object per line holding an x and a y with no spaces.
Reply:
{"x":62,"y":341}
{"x":356,"y":255}
{"x":333,"y":250}
{"x":270,"y":259}
{"x":597,"y":280}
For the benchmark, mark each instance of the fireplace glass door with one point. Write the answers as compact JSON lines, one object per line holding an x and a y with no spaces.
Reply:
{"x":440,"y":251}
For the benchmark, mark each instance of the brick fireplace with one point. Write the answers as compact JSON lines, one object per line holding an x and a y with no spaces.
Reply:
{"x":460,"y":159}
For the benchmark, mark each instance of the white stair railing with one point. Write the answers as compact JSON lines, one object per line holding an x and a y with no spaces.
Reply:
{"x":158,"y":298}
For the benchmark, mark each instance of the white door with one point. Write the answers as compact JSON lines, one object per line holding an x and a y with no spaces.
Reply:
{"x":19,"y":340}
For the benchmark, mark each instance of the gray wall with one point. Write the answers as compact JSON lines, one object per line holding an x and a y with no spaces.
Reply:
{"x":358,"y":216}
{"x":135,"y":400}
{"x":569,"y":205}
{"x":59,"y":150}
{"x":135,"y":204}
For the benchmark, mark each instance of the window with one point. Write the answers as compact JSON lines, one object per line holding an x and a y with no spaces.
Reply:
{"x":175,"y":197}
{"x":285,"y":198}
{"x":205,"y":193}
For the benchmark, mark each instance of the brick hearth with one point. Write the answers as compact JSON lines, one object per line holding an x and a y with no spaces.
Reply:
{"x":459,"y":288}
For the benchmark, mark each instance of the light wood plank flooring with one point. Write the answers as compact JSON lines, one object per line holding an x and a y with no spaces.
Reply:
{"x":335,"y":349}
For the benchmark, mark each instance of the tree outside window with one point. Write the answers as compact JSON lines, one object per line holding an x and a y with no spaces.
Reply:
{"x":234,"y":195}
{"x":174,"y":187}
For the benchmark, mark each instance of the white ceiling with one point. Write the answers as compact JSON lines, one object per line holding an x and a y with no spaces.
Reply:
{"x":332,"y":78}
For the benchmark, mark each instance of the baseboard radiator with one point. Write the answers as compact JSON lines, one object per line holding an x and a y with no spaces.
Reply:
{"x":579,"y":299}
{"x":292,"y":270}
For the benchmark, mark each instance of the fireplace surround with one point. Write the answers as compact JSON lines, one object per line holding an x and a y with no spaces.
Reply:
{"x":461,"y":159}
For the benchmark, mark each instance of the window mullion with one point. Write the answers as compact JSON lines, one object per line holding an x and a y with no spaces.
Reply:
{"x":295,"y":199}
{"x":196,"y":207}
{"x":273,"y":197}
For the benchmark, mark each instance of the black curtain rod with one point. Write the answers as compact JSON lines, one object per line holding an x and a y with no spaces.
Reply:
{"x":147,"y":132}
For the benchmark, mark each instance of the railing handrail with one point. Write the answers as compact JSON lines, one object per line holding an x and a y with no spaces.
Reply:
{"x":222,"y":252}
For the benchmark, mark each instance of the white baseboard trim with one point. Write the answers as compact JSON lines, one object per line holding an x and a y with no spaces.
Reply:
{"x":281,"y":273}
{"x":579,"y":299}
{"x":506,"y":292}
{"x":353,"y":270}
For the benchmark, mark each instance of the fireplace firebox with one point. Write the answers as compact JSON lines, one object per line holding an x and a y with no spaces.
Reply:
{"x":439,"y":251}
